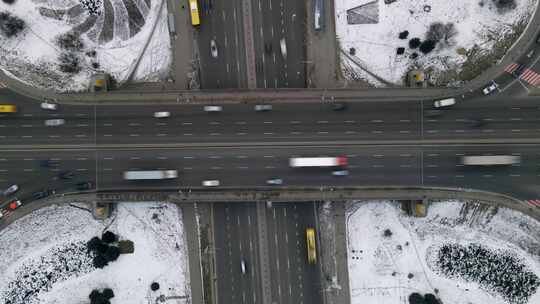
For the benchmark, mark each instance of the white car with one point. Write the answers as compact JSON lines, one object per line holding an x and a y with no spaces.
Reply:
{"x":12,"y":189}
{"x":49,"y":106}
{"x":490,"y":88}
{"x":213,"y":48}
{"x":275,"y":181}
{"x":243,"y":266}
{"x":283,"y":47}
{"x":213,"y":108}
{"x":444,"y":103}
{"x":54,"y":122}
{"x":263,"y":107}
{"x":162,"y":114}
{"x":340,"y":173}
{"x":211,"y":183}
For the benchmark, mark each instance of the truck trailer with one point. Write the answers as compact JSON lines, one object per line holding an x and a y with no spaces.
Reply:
{"x":297,"y":162}
{"x":150,"y":175}
{"x":490,"y":160}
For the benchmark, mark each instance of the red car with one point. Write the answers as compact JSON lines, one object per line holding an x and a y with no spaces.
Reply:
{"x":14,"y":204}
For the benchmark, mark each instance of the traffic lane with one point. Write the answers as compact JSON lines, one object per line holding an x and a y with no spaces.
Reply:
{"x":24,"y":169}
{"x":295,"y":22}
{"x":234,"y":243}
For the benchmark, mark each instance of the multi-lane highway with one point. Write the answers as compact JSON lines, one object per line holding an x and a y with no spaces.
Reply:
{"x":387,"y":143}
{"x":293,"y":280}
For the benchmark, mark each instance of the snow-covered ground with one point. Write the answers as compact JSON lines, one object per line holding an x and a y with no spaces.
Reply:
{"x":44,"y":258}
{"x":478,"y":26}
{"x":387,"y":269}
{"x":117,"y":35}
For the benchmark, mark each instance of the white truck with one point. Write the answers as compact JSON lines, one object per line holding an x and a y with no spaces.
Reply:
{"x":490,"y":160}
{"x":150,"y":175}
{"x":298,"y":162}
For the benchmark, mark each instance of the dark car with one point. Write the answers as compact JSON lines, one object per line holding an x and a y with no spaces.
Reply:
{"x":517,"y":72}
{"x":66,"y":175}
{"x":339,"y":106}
{"x":268,"y":47}
{"x":43,"y":194}
{"x":84,"y":185}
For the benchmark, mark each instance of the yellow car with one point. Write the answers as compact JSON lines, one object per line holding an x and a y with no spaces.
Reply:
{"x":7,"y":108}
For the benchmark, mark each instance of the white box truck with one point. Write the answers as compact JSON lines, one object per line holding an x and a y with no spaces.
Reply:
{"x":150,"y":174}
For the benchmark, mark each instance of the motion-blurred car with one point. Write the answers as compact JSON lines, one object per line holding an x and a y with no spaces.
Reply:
{"x":340,"y":173}
{"x":43,"y":194}
{"x":213,"y":108}
{"x":490,"y":88}
{"x":213,"y":48}
{"x":14,"y":204}
{"x":54,"y":122}
{"x":162,"y":114}
{"x":11,"y":189}
{"x":211,"y":183}
{"x":49,"y":106}
{"x":66,"y":175}
{"x":84,"y":185}
{"x":274,"y":181}
{"x":263,"y":107}
{"x":243,"y":268}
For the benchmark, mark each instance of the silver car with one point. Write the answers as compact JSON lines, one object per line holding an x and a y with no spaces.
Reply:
{"x":54,"y":122}
{"x":340,"y":173}
{"x":11,"y":189}
{"x":263,"y":107}
{"x":49,"y":106}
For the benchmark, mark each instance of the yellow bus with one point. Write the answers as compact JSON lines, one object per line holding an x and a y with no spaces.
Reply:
{"x":8,"y":108}
{"x":311,"y":249}
{"x":194,"y":10}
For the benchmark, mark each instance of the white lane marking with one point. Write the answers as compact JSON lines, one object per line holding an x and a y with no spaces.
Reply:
{"x":107,"y":169}
{"x":27,"y":115}
{"x":82,"y":158}
{"x":433,"y":154}
{"x":28,"y":159}
{"x":241,"y":156}
{"x":242,"y":167}
{"x":516,"y":130}
{"x":80,"y":114}
{"x":161,"y":123}
{"x":134,"y":158}
{"x":52,"y":136}
{"x":81,"y":125}
{"x":377,"y":120}
{"x":377,"y":132}
{"x":134,"y":124}
{"x":107,"y":124}
{"x":214,"y":123}
{"x":405,"y":166}
{"x":134,"y":135}
{"x":81,"y":169}
{"x":241,"y":133}
{"x":322,"y":122}
{"x":322,"y":132}
{"x":351,"y":155}
{"x":240,"y":122}
{"x":459,"y":176}
{"x":432,"y":166}
{"x":107,"y":135}
{"x":188,"y":134}
{"x":460,"y":154}
{"x":267,"y":122}
{"x":28,"y":170}
{"x":377,"y":166}
{"x":516,"y":119}
{"x":215,"y":157}
{"x":294,"y":121}
{"x":268,"y":133}
{"x":26,"y":126}
{"x":161,"y":134}
{"x":2,"y":126}
{"x":350,"y":132}
{"x":432,"y":176}
{"x":405,"y":132}
{"x":460,"y":131}
{"x":432,"y":131}
{"x":404,"y":120}
{"x":350,"y":121}
{"x":215,"y":134}
{"x":378,"y":155}
{"x":188,"y":168}
{"x":268,"y":156}
{"x":487,"y":175}
{"x":189,"y":157}
{"x":216,"y":168}
{"x":515,"y":175}
{"x":432,"y":120}
{"x":296,"y":133}
{"x":186,"y":123}
{"x":3,"y":159}
{"x":108,"y":158}
{"x":405,"y":155}
{"x":80,"y":135}
{"x":269,"y":167}
{"x":488,"y":130}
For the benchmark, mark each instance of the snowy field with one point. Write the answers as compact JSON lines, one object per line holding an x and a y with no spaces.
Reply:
{"x":44,"y":256}
{"x":478,"y":30}
{"x":112,"y":38}
{"x":391,"y":255}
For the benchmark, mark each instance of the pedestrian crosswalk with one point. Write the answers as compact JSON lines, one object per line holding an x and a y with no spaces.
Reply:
{"x":527,"y":75}
{"x":531,"y":77}
{"x":534,"y":203}
{"x":511,"y":68}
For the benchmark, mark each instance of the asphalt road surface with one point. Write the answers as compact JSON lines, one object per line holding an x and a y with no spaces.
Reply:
{"x":221,"y":21}
{"x":293,"y":280}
